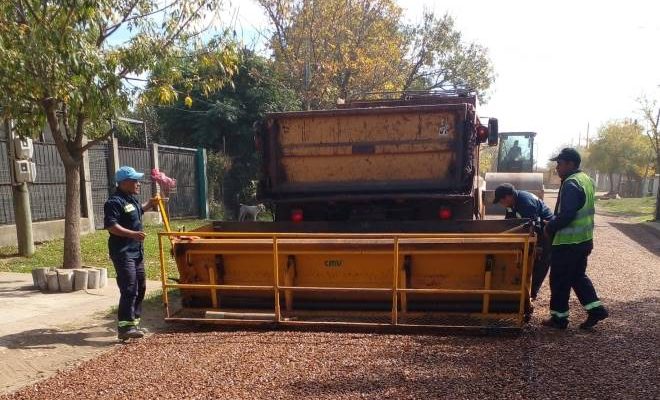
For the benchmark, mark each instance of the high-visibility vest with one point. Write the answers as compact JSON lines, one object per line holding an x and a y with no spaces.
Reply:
{"x":581,"y":229}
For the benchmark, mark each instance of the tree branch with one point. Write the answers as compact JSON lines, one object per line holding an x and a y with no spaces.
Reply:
{"x":176,"y":34}
{"x":279,"y":28}
{"x":106,"y":32}
{"x":135,"y":17}
{"x":65,"y":120}
{"x":80,"y":125}
{"x":49,"y":106}
{"x":97,"y":140}
{"x":31,"y":10}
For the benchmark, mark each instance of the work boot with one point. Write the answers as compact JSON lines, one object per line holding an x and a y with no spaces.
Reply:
{"x":130,"y":332}
{"x":139,"y":327}
{"x":594,"y":316}
{"x":557,"y":323}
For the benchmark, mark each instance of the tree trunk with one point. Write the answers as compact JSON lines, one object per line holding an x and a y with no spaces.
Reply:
{"x":657,"y":196}
{"x":611,"y":183}
{"x":72,"y":257}
{"x":657,"y":204}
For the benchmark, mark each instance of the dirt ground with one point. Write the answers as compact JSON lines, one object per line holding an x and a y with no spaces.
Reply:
{"x":618,"y":360}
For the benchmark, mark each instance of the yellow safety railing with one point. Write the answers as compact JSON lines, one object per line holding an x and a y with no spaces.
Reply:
{"x":522,"y":247}
{"x":160,"y":202}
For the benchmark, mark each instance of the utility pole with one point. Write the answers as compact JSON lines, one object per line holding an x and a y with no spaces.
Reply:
{"x":579,"y":139}
{"x":21,"y":197}
{"x":587,"y":135}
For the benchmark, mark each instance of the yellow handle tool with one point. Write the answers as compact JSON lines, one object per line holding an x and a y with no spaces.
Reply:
{"x":163,"y":213}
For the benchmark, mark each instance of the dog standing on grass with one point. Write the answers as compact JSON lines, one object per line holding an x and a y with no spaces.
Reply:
{"x":250,"y":213}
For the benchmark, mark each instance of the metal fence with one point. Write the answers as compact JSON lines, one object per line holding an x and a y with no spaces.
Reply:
{"x":101,"y":181}
{"x":47,"y":193}
{"x":140,"y":159}
{"x":6,"y":199}
{"x":181,"y":164}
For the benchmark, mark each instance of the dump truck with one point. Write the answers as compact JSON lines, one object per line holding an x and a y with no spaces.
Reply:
{"x":515,"y":165}
{"x":378,"y":221}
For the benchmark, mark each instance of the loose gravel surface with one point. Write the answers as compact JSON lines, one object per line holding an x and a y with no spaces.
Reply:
{"x":618,"y":360}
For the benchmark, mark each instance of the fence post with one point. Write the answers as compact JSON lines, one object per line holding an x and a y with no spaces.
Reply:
{"x":21,"y":195}
{"x":155,"y":187}
{"x":202,"y":184}
{"x":114,"y":160}
{"x":86,"y":190}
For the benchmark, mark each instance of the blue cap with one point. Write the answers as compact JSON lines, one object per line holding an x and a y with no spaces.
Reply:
{"x":125,"y":172}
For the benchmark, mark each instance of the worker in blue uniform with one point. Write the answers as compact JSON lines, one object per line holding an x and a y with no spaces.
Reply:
{"x":522,"y":204}
{"x":123,"y":220}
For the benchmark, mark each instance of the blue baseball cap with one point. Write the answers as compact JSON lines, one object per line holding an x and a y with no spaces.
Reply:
{"x":126,"y":172}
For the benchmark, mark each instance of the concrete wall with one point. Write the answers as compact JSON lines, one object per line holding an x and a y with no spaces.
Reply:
{"x":41,"y":231}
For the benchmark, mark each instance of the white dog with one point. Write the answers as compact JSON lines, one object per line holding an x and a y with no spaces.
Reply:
{"x":246,"y":213}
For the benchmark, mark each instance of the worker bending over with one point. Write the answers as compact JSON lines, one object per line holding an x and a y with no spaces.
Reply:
{"x":522,"y":204}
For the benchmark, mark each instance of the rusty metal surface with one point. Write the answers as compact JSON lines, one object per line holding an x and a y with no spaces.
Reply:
{"x":425,"y":108}
{"x":408,"y":148}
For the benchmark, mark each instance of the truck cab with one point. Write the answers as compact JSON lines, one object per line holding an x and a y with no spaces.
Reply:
{"x":516,"y":152}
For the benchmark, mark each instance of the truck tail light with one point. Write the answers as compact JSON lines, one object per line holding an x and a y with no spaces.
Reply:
{"x":482,"y":133}
{"x":444,"y":213}
{"x":297,"y":215}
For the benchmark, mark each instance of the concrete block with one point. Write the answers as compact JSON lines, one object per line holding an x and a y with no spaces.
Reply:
{"x":52,"y":281}
{"x":65,"y":279}
{"x":80,"y":279}
{"x":103,"y":282}
{"x":93,"y":278}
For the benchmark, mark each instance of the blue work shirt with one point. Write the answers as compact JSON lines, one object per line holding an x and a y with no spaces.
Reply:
{"x":126,"y":211}
{"x":527,"y":205}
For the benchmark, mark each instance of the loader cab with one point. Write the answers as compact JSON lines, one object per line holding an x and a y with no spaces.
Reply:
{"x":516,"y":152}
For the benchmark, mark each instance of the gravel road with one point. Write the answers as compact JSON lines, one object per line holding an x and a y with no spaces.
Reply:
{"x":619,"y":360}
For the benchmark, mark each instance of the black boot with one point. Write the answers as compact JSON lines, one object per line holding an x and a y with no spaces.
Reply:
{"x":129,"y":332}
{"x":595,"y":315}
{"x":557,"y":323}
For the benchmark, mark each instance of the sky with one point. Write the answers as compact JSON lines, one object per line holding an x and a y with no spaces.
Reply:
{"x":560,"y":65}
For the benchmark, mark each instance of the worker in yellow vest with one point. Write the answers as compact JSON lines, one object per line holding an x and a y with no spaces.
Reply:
{"x":572,"y":232}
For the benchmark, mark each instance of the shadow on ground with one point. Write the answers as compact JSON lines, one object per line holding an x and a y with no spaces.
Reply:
{"x":641,"y":234}
{"x":51,"y":338}
{"x":100,"y":334}
{"x":23,"y":291}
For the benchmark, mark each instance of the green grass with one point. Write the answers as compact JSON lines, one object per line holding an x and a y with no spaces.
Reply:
{"x":94,"y":248}
{"x":637,"y":209}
